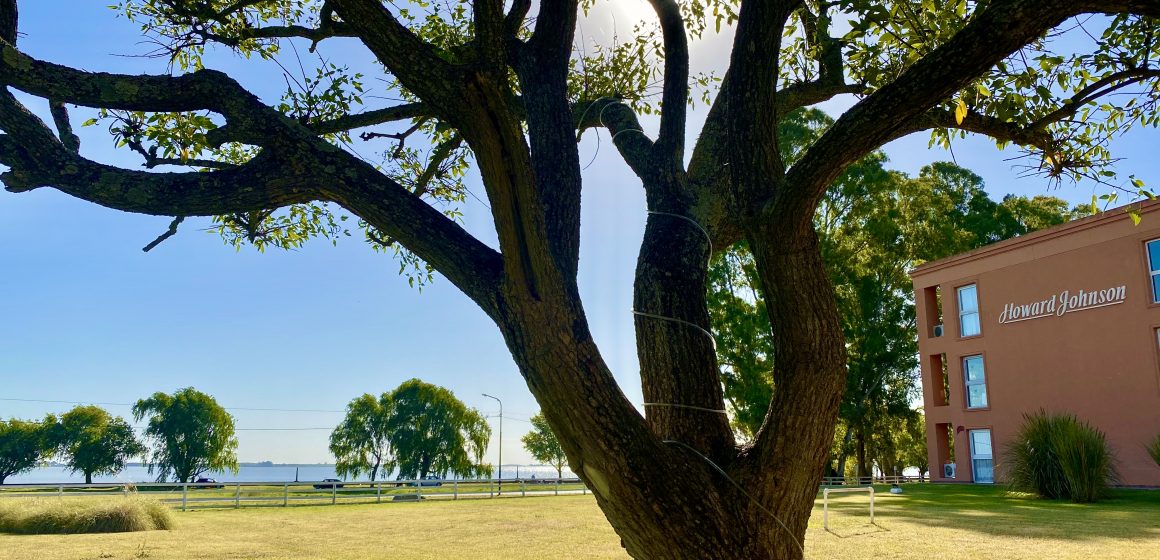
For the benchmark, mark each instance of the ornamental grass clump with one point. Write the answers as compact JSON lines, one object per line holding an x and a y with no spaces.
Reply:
{"x":1154,"y":450}
{"x":82,"y":515}
{"x":1060,"y":456}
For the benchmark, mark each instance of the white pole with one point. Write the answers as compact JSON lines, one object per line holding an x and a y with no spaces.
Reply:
{"x":500,"y":469}
{"x":286,"y":494}
{"x":184,"y":495}
{"x":871,"y":505}
{"x":238,"y":496}
{"x":456,"y":490}
{"x":333,"y":493}
{"x":826,"y":509}
{"x":379,"y":492}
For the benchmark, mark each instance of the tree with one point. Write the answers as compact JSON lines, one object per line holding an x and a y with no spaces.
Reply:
{"x":507,"y":91}
{"x":361,"y":443}
{"x":544,"y":446}
{"x":190,"y":434}
{"x":94,"y":442}
{"x":434,"y":432}
{"x":23,"y":445}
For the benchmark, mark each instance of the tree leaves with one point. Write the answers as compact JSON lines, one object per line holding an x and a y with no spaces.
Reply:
{"x":190,"y":434}
{"x":419,"y":428}
{"x":541,"y":442}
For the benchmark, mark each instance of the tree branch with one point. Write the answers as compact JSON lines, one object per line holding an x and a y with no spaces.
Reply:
{"x":999,"y":29}
{"x":516,"y":16}
{"x":810,"y":93}
{"x":64,"y":127}
{"x":204,"y":89}
{"x":168,"y":233}
{"x":674,"y":101}
{"x":414,"y":62}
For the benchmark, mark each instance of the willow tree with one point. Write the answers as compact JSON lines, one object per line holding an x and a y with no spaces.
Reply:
{"x":501,"y":87}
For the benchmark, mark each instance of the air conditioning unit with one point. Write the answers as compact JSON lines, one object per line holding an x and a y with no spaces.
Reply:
{"x":938,"y":330}
{"x":949,"y":470}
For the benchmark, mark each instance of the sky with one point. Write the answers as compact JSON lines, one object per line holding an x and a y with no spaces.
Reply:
{"x":86,"y":316}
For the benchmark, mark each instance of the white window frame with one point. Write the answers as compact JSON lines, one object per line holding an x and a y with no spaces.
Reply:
{"x":965,"y":312}
{"x":1152,"y":273}
{"x":977,"y":457}
{"x":967,"y":383}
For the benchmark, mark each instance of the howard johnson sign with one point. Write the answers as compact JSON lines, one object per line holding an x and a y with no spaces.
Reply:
{"x":1061,"y":304}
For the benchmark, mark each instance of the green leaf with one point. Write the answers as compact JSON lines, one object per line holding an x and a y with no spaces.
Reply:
{"x":1135,"y":216}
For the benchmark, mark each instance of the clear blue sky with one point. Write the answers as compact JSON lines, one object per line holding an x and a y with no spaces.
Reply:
{"x":86,"y":316}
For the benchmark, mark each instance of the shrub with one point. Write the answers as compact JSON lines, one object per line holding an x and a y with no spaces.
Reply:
{"x":81,"y":515}
{"x":1154,"y":450}
{"x":1060,"y":456}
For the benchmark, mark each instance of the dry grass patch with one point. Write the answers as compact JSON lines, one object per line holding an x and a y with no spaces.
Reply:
{"x":927,"y":521}
{"x":57,"y":516}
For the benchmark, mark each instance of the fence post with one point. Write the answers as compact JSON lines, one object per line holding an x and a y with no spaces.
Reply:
{"x":418,"y":489}
{"x":523,"y":489}
{"x":333,"y":493}
{"x":583,"y":488}
{"x":490,"y":489}
{"x":826,"y":509}
{"x":379,"y":492}
{"x":871,"y":505}
{"x":60,"y":490}
{"x":286,"y":494}
{"x":456,"y":490}
{"x":557,"y":486}
{"x":184,"y":495}
{"x":238,"y":496}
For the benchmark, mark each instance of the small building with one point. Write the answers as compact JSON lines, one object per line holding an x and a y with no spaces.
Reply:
{"x":1065,"y":319}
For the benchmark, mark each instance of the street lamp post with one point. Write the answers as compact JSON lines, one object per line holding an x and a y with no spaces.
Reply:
{"x":499,"y":469}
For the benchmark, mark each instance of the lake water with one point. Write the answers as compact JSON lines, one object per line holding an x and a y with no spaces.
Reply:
{"x":247,"y":473}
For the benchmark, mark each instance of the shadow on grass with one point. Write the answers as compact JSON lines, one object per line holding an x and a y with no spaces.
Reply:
{"x":992,"y":510}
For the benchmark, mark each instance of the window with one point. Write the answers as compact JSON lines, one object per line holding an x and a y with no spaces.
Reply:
{"x":1154,"y":268}
{"x":976,"y":382}
{"x":982,"y":463}
{"x":969,"y":309}
{"x":932,"y":302}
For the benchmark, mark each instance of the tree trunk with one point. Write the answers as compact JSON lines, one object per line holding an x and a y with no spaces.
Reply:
{"x":842,"y":458}
{"x":861,"y":453}
{"x":88,"y":478}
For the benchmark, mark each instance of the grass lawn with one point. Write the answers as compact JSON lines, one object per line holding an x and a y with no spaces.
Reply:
{"x":925,"y":522}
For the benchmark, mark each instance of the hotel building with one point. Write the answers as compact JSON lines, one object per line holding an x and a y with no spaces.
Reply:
{"x":1065,"y":319}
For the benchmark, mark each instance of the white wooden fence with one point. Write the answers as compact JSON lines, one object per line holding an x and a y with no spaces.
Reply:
{"x":191,"y":495}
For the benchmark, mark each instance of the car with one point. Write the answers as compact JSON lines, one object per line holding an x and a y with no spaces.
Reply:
{"x":429,"y":480}
{"x":328,"y":483}
{"x":204,"y":482}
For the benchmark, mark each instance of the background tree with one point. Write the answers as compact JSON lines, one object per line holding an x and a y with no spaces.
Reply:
{"x":190,"y":434}
{"x":508,"y":91}
{"x":23,"y":445}
{"x":544,"y":446}
{"x":361,"y":443}
{"x":433,"y":432}
{"x":94,"y":442}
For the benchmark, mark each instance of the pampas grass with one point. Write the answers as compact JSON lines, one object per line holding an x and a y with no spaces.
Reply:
{"x":44,"y":516}
{"x":1060,"y":456}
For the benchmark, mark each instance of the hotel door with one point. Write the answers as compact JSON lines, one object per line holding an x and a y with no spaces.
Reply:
{"x":982,"y":464}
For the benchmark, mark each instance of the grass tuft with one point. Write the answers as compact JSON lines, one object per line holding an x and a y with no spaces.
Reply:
{"x":1060,"y":456}
{"x":1154,"y":450}
{"x":78,"y":515}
